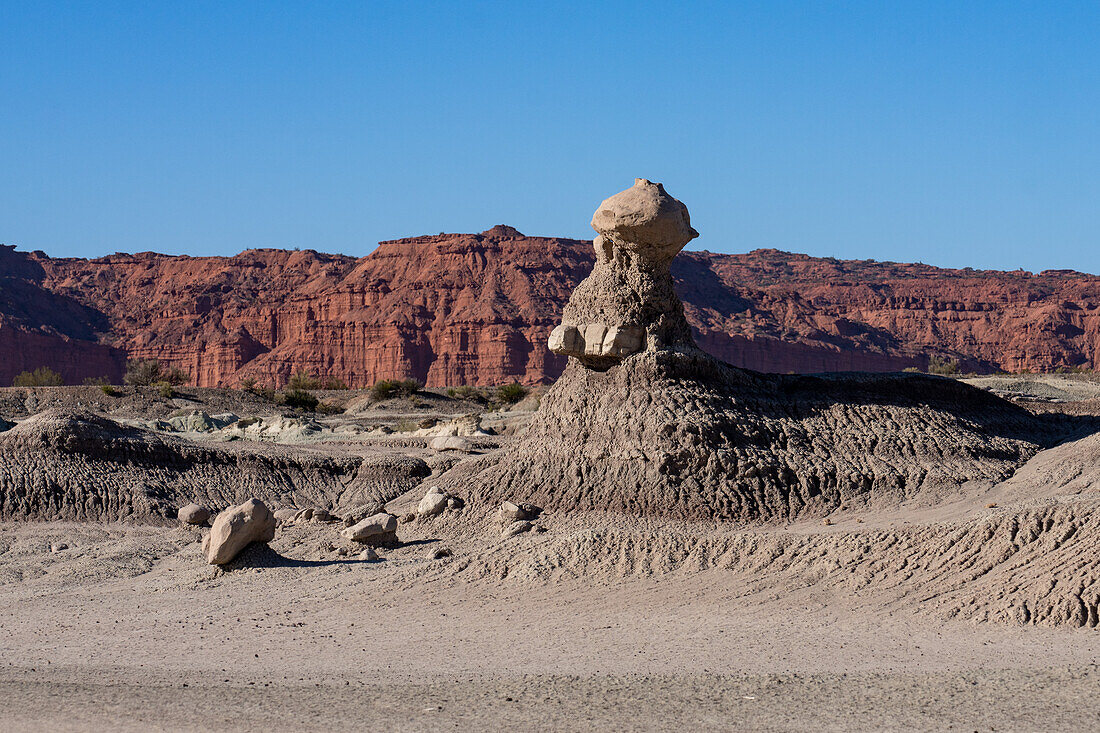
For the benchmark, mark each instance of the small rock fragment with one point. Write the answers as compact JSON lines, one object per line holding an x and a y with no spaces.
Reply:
{"x":235,"y":528}
{"x":304,"y":515}
{"x":193,"y":514}
{"x":59,"y":546}
{"x":510,"y":512}
{"x":434,"y":502}
{"x":358,"y":514}
{"x":323,"y":515}
{"x":515,"y":528}
{"x":441,"y":553}
{"x":285,"y":515}
{"x":369,"y":555}
{"x":376,"y":530}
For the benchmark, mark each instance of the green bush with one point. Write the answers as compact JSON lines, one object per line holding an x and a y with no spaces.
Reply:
{"x":299,"y":399}
{"x":248,"y":384}
{"x":512,"y":393}
{"x":333,"y":383}
{"x":149,"y":373}
{"x":109,"y":390}
{"x":302,"y":381}
{"x":942,"y":365}
{"x":385,"y":389}
{"x":166,"y":390}
{"x":40,"y":377}
{"x":466,"y":392}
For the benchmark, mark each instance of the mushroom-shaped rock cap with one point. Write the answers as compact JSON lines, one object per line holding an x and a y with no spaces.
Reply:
{"x":647,"y":218}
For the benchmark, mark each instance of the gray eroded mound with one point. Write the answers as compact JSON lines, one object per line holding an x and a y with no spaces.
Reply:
{"x":644,"y":422}
{"x":61,"y":464}
{"x":678,"y":434}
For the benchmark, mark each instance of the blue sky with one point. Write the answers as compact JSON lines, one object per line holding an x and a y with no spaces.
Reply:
{"x":958,"y":134}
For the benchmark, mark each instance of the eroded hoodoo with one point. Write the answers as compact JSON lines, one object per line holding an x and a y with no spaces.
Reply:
{"x":644,"y":422}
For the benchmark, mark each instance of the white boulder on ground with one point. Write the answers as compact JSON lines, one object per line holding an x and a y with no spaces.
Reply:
{"x":237,"y":527}
{"x":451,"y":442}
{"x":193,"y":514}
{"x":434,"y":502}
{"x":377,"y":530}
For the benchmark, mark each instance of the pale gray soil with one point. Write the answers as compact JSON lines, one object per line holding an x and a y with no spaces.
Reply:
{"x":128,"y":630}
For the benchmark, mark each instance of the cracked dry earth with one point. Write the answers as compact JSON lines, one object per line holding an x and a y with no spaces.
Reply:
{"x":896,"y":619}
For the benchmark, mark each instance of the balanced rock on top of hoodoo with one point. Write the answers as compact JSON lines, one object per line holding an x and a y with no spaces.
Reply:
{"x":628,"y":303}
{"x":644,"y":422}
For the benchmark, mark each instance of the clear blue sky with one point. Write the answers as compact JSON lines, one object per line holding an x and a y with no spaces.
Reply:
{"x":954,"y":133}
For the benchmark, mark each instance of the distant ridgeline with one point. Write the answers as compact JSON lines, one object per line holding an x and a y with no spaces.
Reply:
{"x":477,"y":309}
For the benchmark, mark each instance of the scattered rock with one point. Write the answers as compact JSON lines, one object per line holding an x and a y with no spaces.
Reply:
{"x":377,"y":530}
{"x":410,"y":517}
{"x":434,"y":502}
{"x":59,"y":546}
{"x":441,"y":553}
{"x":342,"y":551}
{"x":193,"y":514}
{"x":451,"y":442}
{"x":304,"y":515}
{"x":286,"y":515}
{"x":510,"y":512}
{"x":453,"y":502}
{"x":323,"y":515}
{"x":357,"y":514}
{"x":237,"y":527}
{"x":511,"y":530}
{"x":369,"y":555}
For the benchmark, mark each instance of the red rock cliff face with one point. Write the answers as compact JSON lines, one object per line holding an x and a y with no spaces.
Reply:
{"x":476,"y":309}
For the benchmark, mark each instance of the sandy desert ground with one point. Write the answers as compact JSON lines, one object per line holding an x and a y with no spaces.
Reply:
{"x":882,"y":619}
{"x":129,"y":629}
{"x":972,"y":607}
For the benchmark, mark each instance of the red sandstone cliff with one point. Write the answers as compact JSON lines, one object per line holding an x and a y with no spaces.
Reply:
{"x":476,"y":309}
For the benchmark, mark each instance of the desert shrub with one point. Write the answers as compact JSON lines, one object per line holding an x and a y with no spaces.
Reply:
{"x":250,"y":385}
{"x":384,"y":389}
{"x":512,"y":393}
{"x":299,"y":399}
{"x":95,"y":381}
{"x":109,"y":390}
{"x":40,"y":377}
{"x":466,"y":392}
{"x":333,"y":383}
{"x":406,"y":426}
{"x":302,"y":381}
{"x":166,"y":390}
{"x":942,"y":365}
{"x":911,"y":370}
{"x":150,"y":373}
{"x":328,"y":408}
